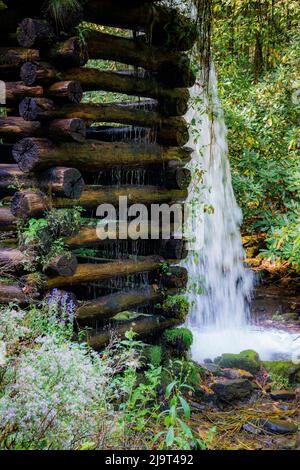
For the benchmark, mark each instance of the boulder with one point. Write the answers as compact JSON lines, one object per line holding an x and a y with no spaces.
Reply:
{"x":232,"y":390}
{"x":237,"y":374}
{"x":283,"y":395}
{"x":247,"y":360}
{"x":278,"y":426}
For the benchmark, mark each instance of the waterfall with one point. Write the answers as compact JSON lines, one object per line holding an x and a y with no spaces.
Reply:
{"x":220,"y":286}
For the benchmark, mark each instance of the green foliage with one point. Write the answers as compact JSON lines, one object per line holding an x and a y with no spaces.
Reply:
{"x":176,"y":306}
{"x":256,"y":52}
{"x":279,"y":382}
{"x":59,"y":9}
{"x":179,"y":337}
{"x":153,"y":355}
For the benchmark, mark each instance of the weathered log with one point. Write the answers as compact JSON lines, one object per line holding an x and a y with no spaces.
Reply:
{"x":176,"y":176}
{"x":117,"y":82}
{"x":28,"y":204}
{"x":93,"y":196}
{"x":8,"y":221}
{"x":14,"y":127}
{"x":34,"y":154}
{"x":11,"y":260}
{"x":174,"y":249}
{"x":166,"y":26}
{"x":177,"y":276}
{"x":172,"y":68}
{"x":163,"y":135}
{"x":108,"y":305}
{"x":97,"y":272}
{"x":69,"y":53}
{"x":143,"y":326}
{"x":16,"y":56}
{"x":66,"y":91}
{"x":15,"y":91}
{"x":32,"y":32}
{"x":64,"y":264}
{"x":59,"y":181}
{"x":12,"y":293}
{"x":32,"y":109}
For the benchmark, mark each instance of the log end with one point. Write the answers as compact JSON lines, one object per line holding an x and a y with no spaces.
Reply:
{"x":28,"y":204}
{"x":28,"y":73}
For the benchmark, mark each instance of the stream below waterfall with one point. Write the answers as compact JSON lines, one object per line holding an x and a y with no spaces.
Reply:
{"x":221,"y":287}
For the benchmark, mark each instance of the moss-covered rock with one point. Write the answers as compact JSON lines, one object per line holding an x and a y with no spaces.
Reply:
{"x":176,"y":306}
{"x":247,"y":360}
{"x":286,"y":369}
{"x":181,"y":338}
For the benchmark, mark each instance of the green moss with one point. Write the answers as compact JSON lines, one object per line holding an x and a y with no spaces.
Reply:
{"x":246,"y":360}
{"x":179,"y":337}
{"x":176,"y":306}
{"x":153,"y":355}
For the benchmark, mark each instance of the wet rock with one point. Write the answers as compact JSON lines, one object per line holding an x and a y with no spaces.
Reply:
{"x":283,"y":395}
{"x":247,"y":360}
{"x":232,"y":390}
{"x":252,"y":428}
{"x":237,"y":374}
{"x":278,"y":426}
{"x":214,"y":369}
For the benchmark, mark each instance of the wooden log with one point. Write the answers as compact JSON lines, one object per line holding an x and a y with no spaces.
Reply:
{"x":165,"y":26}
{"x":66,"y":91}
{"x":108,"y":305}
{"x":12,"y":293}
{"x":177,"y":276}
{"x":97,"y":272}
{"x":28,"y":204}
{"x":69,"y":53}
{"x":59,"y":181}
{"x":11,"y":260}
{"x":174,"y":249}
{"x":34,"y":32}
{"x":172,"y":68}
{"x":15,"y":91}
{"x":33,"y":109}
{"x":16,"y":56}
{"x":117,"y":82}
{"x":13,"y":128}
{"x":93,"y":196}
{"x":176,"y":176}
{"x":8,"y":221}
{"x":64,"y":264}
{"x":163,"y":135}
{"x":143,"y":326}
{"x":35,"y":154}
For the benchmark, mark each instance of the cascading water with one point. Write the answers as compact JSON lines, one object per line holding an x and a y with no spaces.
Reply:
{"x":220,"y":286}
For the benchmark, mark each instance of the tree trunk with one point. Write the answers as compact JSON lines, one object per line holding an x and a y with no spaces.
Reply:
{"x":8,"y":221}
{"x":35,"y":154}
{"x":66,"y":91}
{"x":11,"y":260}
{"x":28,"y":204}
{"x":64,"y":264}
{"x":109,"y":305}
{"x":165,"y":26}
{"x":12,"y":293}
{"x":32,"y":32}
{"x":98,"y":272}
{"x":15,"y":91}
{"x":143,"y":326}
{"x":33,"y":109}
{"x":173,"y":68}
{"x":12,"y":128}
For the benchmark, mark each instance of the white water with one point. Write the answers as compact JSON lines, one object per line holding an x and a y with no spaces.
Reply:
{"x":220,"y":314}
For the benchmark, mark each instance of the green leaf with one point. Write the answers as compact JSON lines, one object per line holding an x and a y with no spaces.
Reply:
{"x":185,"y":407}
{"x":170,"y":436}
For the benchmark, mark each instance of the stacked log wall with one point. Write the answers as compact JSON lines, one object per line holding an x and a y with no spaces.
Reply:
{"x":52,"y":144}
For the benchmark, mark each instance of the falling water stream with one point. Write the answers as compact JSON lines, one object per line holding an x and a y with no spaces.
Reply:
{"x":220,"y":286}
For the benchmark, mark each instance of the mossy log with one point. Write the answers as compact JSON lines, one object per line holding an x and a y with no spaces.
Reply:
{"x":69,"y":53}
{"x":97,"y":272}
{"x":109,"y":305}
{"x":12,"y":293}
{"x":143,"y":326}
{"x":59,"y":181}
{"x":176,"y":176}
{"x":173,"y":68}
{"x":35,"y":154}
{"x":177,"y":276}
{"x":175,"y":99}
{"x":163,"y":135}
{"x":64,"y":264}
{"x":14,"y":127}
{"x":35,"y":32}
{"x":8,"y":221}
{"x":35,"y":109}
{"x":15,"y":91}
{"x":166,"y":26}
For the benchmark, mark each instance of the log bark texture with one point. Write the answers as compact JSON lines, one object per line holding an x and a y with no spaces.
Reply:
{"x":11,"y":259}
{"x":35,"y":154}
{"x":33,"y":32}
{"x":64,"y":264}
{"x":8,"y":221}
{"x":69,"y":53}
{"x":12,"y":293}
{"x":15,"y":91}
